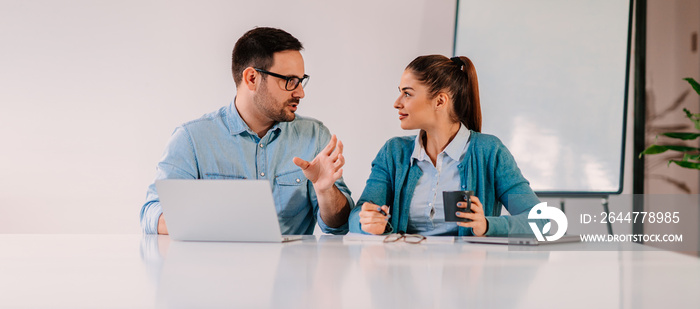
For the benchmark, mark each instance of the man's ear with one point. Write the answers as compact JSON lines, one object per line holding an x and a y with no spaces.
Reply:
{"x":250,"y":79}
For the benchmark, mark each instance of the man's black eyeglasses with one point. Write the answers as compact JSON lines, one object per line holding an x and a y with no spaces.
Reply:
{"x":292,"y":81}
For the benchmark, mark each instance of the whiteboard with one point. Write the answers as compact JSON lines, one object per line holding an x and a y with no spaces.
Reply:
{"x":553,"y":79}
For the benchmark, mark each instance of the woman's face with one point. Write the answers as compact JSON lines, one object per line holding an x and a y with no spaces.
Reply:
{"x":416,"y":110}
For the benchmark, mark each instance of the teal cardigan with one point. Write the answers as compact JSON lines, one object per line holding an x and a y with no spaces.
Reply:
{"x":488,"y":169}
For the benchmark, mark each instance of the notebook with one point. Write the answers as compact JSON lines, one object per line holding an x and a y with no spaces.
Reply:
{"x":220,"y":210}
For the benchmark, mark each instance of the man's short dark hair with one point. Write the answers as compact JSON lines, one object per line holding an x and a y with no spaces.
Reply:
{"x":256,"y":48}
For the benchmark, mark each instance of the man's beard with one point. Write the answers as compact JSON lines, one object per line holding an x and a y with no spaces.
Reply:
{"x":268,"y":106}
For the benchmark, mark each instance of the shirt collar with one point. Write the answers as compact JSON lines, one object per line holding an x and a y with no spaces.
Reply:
{"x":455,"y":149}
{"x":236,"y":124}
{"x":458,"y":146}
{"x":418,"y":151}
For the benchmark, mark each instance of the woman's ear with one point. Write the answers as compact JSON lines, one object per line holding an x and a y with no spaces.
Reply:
{"x":250,"y":79}
{"x":441,"y":100}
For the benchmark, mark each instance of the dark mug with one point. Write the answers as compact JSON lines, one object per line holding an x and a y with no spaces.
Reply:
{"x":450,"y":200}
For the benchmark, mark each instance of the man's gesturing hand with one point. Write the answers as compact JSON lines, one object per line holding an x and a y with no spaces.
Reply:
{"x":326,"y":167}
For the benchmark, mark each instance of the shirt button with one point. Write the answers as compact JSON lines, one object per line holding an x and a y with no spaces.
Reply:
{"x":262,"y":174}
{"x":430,"y":204}
{"x":261,"y":145}
{"x":298,"y":180}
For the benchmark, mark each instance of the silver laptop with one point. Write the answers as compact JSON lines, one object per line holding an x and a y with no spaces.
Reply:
{"x":220,"y":210}
{"x":522,"y":240}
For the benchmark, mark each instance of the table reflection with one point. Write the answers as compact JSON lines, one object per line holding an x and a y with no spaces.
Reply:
{"x":446,"y":276}
{"x":323,"y":272}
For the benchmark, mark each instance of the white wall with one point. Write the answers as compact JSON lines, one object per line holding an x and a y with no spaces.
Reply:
{"x":91,"y":91}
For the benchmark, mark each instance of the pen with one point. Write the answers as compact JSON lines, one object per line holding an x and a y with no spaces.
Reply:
{"x":381,"y":211}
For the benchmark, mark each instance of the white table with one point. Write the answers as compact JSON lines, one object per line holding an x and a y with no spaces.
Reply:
{"x":134,"y":271}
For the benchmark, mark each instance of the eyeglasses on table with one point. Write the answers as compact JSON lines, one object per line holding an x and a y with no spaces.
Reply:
{"x":407,"y":238}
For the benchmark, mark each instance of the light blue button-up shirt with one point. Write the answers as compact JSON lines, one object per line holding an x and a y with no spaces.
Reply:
{"x":220,"y":145}
{"x":427,"y":213}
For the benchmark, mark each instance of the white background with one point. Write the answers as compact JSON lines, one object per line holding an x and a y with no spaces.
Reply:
{"x":91,"y":91}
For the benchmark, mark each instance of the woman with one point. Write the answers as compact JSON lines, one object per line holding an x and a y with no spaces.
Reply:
{"x":440,"y":96}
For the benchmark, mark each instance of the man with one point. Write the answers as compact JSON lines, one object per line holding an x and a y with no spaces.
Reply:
{"x":258,"y":136}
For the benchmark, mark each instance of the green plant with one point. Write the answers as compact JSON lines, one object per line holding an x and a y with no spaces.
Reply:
{"x":691,"y":155}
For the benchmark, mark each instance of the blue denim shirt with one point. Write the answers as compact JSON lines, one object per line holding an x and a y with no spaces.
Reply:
{"x":220,"y":145}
